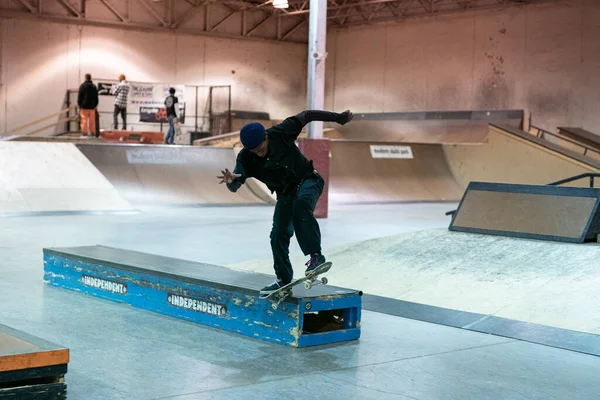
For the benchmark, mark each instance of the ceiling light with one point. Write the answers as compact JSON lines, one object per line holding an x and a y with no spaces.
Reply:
{"x":280,"y":4}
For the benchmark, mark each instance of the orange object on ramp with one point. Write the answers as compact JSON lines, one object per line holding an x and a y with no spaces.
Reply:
{"x":133,"y":137}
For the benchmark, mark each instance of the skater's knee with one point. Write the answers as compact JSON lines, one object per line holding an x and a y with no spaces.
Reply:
{"x":281,"y":233}
{"x":302,"y":209}
{"x":303,"y":204}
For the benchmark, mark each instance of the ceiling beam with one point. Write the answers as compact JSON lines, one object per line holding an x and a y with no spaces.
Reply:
{"x":28,"y":5}
{"x":349,"y":5}
{"x":345,"y":13}
{"x":215,"y":26}
{"x":261,"y":23}
{"x":69,"y":7}
{"x":153,"y":12}
{"x":294,"y":29}
{"x":193,"y":10}
{"x":112,"y":9}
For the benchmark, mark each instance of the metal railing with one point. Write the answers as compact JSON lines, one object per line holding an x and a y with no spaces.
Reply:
{"x":540,"y":133}
{"x":590,"y":175}
{"x":61,"y":120}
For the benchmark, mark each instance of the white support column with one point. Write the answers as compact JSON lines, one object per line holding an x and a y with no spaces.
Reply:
{"x":317,"y":33}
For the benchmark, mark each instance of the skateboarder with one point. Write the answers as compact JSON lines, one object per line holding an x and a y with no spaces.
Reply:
{"x":272,"y":157}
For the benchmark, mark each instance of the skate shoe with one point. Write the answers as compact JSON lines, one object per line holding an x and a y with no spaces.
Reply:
{"x":272,"y":287}
{"x":315,"y":261}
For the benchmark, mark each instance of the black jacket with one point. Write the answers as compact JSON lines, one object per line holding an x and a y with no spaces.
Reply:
{"x":88,"y":96}
{"x":284,"y":167}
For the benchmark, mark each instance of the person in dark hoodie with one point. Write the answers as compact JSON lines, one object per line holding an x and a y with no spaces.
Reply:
{"x":87,"y":100}
{"x":272,"y":157}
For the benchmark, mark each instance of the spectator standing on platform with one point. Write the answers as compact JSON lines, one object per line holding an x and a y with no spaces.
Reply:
{"x":170,"y":102}
{"x":121,"y":92}
{"x":87,"y":100}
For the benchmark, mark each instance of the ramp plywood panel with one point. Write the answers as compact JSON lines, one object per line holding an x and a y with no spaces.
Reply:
{"x":37,"y":177}
{"x":526,"y":213}
{"x":510,"y":159}
{"x":168,"y":175}
{"x":356,"y":176}
{"x":19,"y":350}
{"x":529,"y":211}
{"x":416,"y":131}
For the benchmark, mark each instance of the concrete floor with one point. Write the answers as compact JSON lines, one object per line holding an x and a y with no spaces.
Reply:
{"x":118,"y":352}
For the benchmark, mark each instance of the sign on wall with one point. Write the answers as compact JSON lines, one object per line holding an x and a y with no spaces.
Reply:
{"x":385,"y":151}
{"x":149,"y":98}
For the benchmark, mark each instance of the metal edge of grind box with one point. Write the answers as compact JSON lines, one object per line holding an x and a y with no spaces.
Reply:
{"x":207,"y":294}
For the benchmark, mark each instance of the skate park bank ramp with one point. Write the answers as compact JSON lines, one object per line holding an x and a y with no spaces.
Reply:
{"x":53,"y":177}
{"x":381,"y":172}
{"x":50,"y":176}
{"x":514,"y":156}
{"x":162,"y":175}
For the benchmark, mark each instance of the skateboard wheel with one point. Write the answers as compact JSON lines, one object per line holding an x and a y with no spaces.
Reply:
{"x":307,"y":285}
{"x":274,"y":306}
{"x":324,"y":280}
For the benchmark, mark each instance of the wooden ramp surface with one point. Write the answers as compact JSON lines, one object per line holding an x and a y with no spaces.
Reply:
{"x":19,"y":350}
{"x":31,"y":368}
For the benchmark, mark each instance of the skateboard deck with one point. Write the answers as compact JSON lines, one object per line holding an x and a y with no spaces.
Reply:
{"x":286,"y":291}
{"x":177,"y":126}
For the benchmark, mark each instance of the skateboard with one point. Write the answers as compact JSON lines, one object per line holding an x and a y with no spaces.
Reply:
{"x":309,"y":280}
{"x":178,"y":133}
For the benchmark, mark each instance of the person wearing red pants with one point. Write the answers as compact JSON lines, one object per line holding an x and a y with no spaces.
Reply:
{"x":272,"y":157}
{"x":87,"y":100}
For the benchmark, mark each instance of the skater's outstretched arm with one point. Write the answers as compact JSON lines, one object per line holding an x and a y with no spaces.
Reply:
{"x":232,"y":180}
{"x":236,"y":179}
{"x":292,"y":126}
{"x":316,"y":115}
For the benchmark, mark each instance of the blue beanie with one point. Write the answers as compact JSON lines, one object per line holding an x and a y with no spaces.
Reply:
{"x":252,"y":135}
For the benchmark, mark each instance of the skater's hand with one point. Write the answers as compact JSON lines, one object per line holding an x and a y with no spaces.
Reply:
{"x":346,"y":117}
{"x":227,"y":177}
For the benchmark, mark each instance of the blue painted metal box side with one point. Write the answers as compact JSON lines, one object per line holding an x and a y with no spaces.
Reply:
{"x":352,"y":312}
{"x":223,"y":309}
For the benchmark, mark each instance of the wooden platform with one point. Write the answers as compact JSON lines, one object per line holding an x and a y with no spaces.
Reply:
{"x":30,"y":367}
{"x":133,"y":137}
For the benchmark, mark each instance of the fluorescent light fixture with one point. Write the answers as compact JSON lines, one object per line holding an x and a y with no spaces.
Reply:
{"x":280,"y":4}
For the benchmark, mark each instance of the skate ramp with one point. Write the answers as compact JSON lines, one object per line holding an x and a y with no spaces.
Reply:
{"x":52,"y":177}
{"x":467,"y":126}
{"x":442,"y":171}
{"x":546,"y":283}
{"x":358,"y":174}
{"x":147,"y":175}
{"x":513,"y":156}
{"x":416,"y":131}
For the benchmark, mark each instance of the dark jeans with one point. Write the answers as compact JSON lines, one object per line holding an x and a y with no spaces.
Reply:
{"x":123,"y":112}
{"x":295,"y":214}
